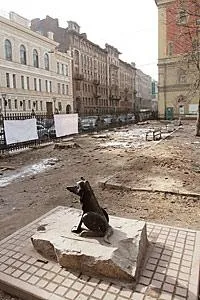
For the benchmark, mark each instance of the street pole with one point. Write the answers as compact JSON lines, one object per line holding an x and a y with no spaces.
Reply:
{"x":54,"y":102}
{"x":4,"y":103}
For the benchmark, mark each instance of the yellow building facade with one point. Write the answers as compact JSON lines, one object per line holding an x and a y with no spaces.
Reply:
{"x":176,"y":97}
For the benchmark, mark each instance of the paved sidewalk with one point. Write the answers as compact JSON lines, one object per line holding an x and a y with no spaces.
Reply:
{"x":170,"y":272}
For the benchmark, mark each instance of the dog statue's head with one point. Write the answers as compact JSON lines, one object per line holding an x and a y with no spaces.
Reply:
{"x":79,"y":188}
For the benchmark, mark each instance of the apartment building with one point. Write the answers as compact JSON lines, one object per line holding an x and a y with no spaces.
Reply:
{"x":34,"y":75}
{"x":143,"y":86}
{"x":97,"y":72}
{"x":127,"y":85}
{"x":178,"y":42}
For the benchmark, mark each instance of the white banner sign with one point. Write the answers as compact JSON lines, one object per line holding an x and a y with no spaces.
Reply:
{"x":17,"y":131}
{"x":66,"y":124}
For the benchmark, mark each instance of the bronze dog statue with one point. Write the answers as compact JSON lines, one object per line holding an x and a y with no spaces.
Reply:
{"x":94,"y":217}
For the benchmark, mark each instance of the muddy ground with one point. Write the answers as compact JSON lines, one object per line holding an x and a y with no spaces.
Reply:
{"x":171,"y":164}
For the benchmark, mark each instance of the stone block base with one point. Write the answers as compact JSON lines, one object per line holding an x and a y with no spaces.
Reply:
{"x":119,"y":260}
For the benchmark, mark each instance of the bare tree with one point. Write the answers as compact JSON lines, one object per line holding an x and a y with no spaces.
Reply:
{"x":186,"y":41}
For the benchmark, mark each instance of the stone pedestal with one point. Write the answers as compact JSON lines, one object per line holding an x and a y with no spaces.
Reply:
{"x":120,"y":260}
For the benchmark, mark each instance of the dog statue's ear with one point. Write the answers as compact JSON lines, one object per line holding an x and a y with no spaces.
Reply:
{"x":72,"y":189}
{"x":82,"y":178}
{"x":81,"y":185}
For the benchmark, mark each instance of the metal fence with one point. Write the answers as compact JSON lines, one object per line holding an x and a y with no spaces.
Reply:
{"x":44,"y":123}
{"x":46,"y":129}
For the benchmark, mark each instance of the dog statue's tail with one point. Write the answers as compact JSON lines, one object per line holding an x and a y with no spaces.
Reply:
{"x":108,"y":234}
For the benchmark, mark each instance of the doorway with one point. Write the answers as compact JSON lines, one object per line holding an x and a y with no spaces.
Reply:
{"x":49,"y":108}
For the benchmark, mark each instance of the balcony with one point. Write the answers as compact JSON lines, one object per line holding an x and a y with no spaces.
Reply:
{"x":96,"y":82}
{"x":97,"y":95}
{"x":78,"y":76}
{"x":115,"y":97}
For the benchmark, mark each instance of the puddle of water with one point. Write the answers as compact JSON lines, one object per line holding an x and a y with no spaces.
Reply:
{"x":42,"y":166}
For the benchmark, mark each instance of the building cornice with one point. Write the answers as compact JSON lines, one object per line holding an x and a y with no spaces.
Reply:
{"x":63,"y":54}
{"x":81,"y":36}
{"x":17,"y":26}
{"x":169,"y":60}
{"x":174,"y":88}
{"x":127,"y":64}
{"x":163,"y":2}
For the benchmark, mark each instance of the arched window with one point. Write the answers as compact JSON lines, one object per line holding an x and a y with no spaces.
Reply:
{"x":76,"y":57}
{"x":68,"y":109}
{"x":46,"y":61}
{"x":35,"y":59}
{"x":8,"y":50}
{"x":23,"y":55}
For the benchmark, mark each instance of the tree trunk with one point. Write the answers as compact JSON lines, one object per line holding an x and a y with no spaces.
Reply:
{"x":198,"y":121}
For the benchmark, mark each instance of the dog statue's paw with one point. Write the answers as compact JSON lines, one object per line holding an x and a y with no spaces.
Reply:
{"x":76,"y":229}
{"x":84,"y":233}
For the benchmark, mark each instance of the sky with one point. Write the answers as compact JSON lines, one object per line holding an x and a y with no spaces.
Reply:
{"x":129,"y":25}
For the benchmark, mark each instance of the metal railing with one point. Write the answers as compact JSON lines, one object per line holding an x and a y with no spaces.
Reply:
{"x":46,"y":129}
{"x":44,"y":122}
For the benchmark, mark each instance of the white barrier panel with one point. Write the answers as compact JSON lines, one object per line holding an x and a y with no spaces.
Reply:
{"x":66,"y":124}
{"x":17,"y":131}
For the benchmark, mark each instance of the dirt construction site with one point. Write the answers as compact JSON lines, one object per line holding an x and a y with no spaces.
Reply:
{"x":153,"y":180}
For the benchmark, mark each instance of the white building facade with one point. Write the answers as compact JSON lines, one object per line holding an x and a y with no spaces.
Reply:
{"x":34,"y":76}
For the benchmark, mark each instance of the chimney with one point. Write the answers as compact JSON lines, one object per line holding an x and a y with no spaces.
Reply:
{"x":50,"y":35}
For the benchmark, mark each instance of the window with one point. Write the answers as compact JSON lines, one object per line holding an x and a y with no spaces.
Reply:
{"x":35,"y":84}
{"x":24,"y":105}
{"x":28,"y":83}
{"x":23,"y":55}
{"x":36,"y":105}
{"x":182,"y":76}
{"x":9,"y":104}
{"x":63,"y":89}
{"x":35,"y":59}
{"x":76,"y":57}
{"x":41,"y":107}
{"x":66,"y":70}
{"x":46,"y":61}
{"x":14,"y":81}
{"x":50,"y":86}
{"x":67,"y":89}
{"x":46,"y":85}
{"x":193,"y":109}
{"x":15,"y":104}
{"x":182,"y":17}
{"x":58,"y":68}
{"x":7,"y":80}
{"x":22,"y":82}
{"x":8,"y":50}
{"x":170,"y":48}
{"x":29,"y":104}
{"x":40,"y":85}
{"x":59,"y":106}
{"x":77,"y":84}
{"x":58,"y":88}
{"x":63,"y":70}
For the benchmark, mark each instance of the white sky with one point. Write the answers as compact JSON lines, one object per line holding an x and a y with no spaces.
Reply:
{"x":129,"y":25}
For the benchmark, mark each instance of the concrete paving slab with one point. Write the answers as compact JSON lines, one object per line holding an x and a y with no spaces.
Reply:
{"x":170,"y":271}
